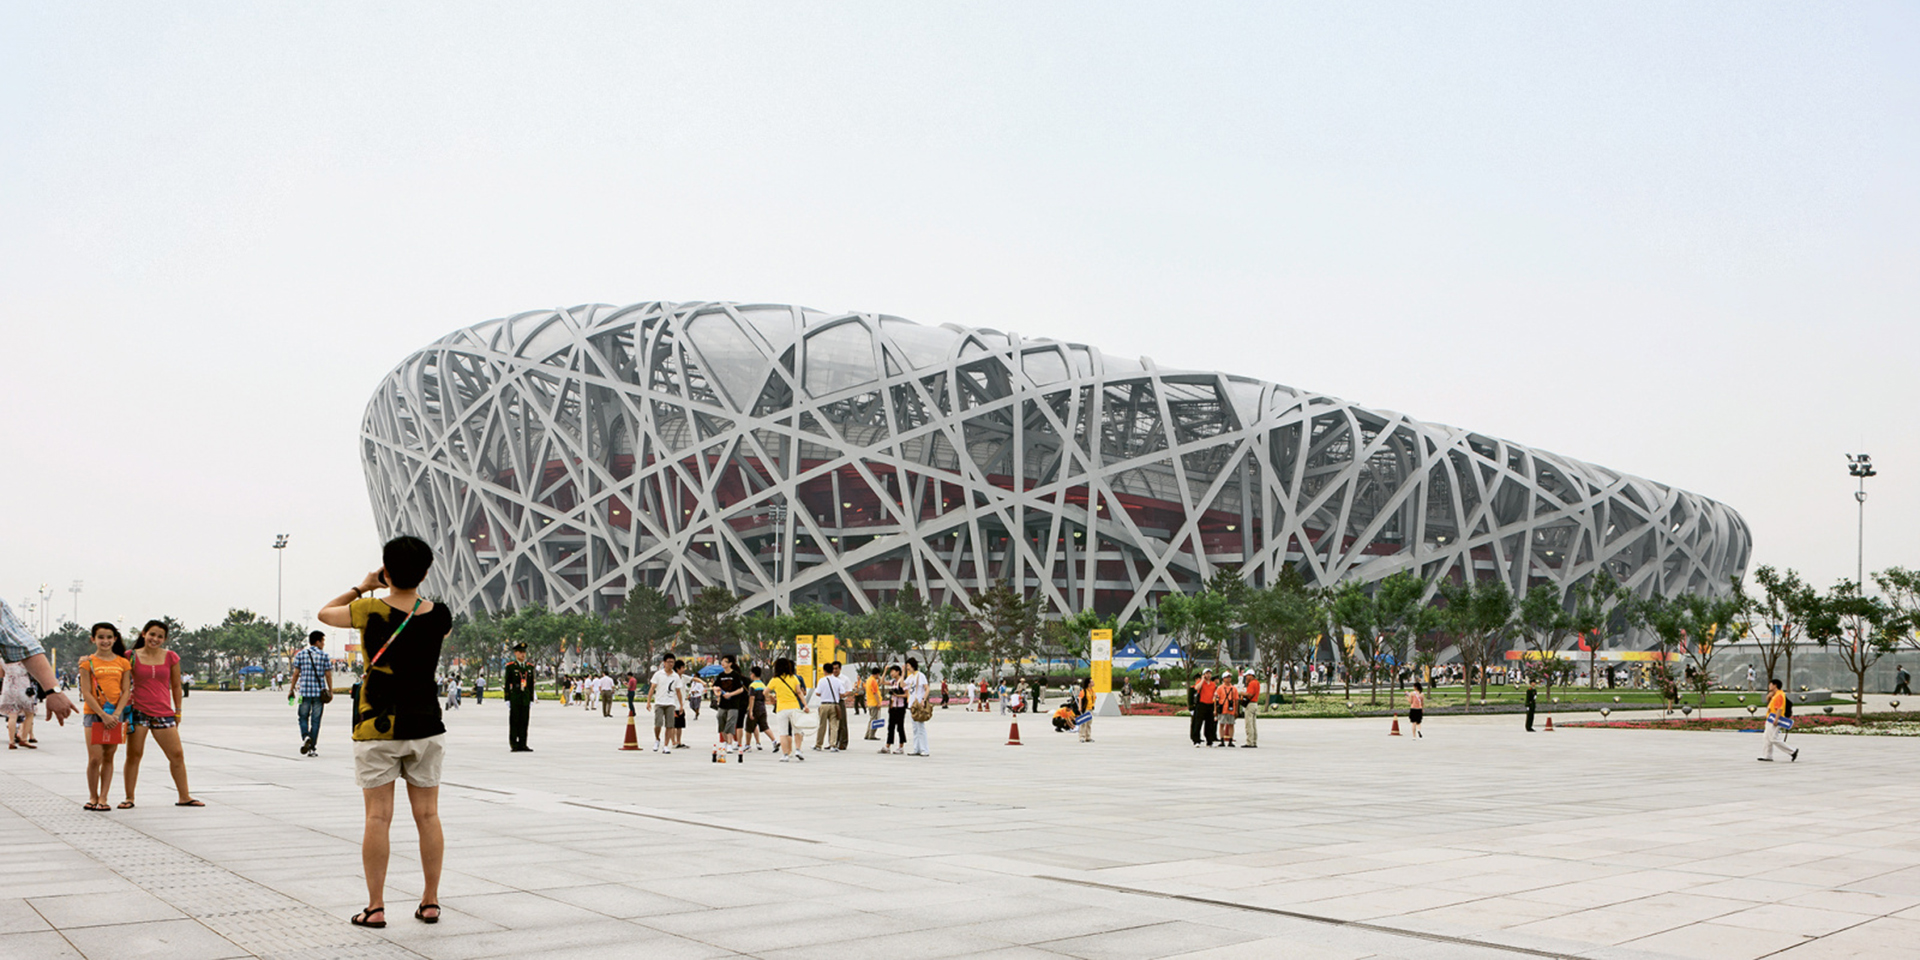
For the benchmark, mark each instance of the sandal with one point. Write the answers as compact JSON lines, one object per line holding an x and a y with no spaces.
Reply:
{"x":421,"y":914}
{"x":189,"y":803}
{"x":96,"y":806}
{"x":126,"y":804}
{"x":365,"y":918}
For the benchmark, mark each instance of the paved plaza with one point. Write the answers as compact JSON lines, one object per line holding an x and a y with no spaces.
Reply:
{"x":1331,"y":841}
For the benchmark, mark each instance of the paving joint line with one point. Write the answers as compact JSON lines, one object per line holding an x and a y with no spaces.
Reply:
{"x":1317,"y":918}
{"x":690,"y":823}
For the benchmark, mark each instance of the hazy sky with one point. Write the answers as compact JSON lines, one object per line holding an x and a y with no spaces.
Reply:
{"x":1674,"y":239}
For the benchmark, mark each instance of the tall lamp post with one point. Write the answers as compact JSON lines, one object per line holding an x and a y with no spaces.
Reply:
{"x":46,"y":606}
{"x":1860,"y":467}
{"x":75,"y":590}
{"x":279,"y":589}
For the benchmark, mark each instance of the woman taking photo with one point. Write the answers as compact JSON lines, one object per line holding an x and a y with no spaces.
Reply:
{"x":105,"y":679}
{"x":157,"y":701}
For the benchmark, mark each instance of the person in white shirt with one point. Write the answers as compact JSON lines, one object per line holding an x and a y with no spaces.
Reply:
{"x":696,"y":691}
{"x":663,"y":690}
{"x":916,"y":694}
{"x":826,"y":694}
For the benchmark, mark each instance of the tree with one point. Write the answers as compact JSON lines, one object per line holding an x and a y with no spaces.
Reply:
{"x":1009,"y":624}
{"x":1855,"y":626}
{"x":1351,"y":610}
{"x":1777,"y":618}
{"x":1693,"y":625}
{"x":642,"y":625}
{"x":1400,"y":615}
{"x":1479,"y":616}
{"x":477,"y":638}
{"x":1900,"y":588}
{"x":1201,"y":621}
{"x":1545,"y":624}
{"x":1595,"y":601}
{"x":1286,"y":620}
{"x":709,"y":618}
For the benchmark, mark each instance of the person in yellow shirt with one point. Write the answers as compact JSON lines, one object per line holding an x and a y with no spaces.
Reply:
{"x":1778,"y":723}
{"x":789,"y":695}
{"x":873,"y":704}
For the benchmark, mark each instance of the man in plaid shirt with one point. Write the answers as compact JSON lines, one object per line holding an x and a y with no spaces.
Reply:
{"x":313,"y":684}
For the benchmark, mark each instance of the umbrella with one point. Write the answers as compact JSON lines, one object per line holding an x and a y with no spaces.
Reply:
{"x":252,"y":670}
{"x":710,"y":669}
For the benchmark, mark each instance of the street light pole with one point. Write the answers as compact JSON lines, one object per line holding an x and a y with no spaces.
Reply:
{"x":279,"y":587}
{"x":1860,"y":467}
{"x":75,"y":590}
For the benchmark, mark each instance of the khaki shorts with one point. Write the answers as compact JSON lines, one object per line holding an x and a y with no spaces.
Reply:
{"x":377,"y":763}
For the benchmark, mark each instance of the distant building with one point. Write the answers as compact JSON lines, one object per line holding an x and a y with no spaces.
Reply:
{"x":560,"y":457}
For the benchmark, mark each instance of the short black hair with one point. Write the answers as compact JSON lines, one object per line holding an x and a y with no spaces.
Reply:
{"x":913,"y":662}
{"x":316,"y":637}
{"x":406,"y":560}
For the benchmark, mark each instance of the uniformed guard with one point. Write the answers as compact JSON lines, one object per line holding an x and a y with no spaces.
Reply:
{"x":519,"y":693}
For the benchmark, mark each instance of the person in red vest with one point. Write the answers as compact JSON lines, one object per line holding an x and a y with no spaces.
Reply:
{"x":1209,"y":727}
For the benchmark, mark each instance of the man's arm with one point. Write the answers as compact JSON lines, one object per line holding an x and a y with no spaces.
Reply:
{"x":58,"y":706}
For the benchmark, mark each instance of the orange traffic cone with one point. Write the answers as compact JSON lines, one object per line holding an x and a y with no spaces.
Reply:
{"x":1549,"y":724}
{"x":1013,"y":735}
{"x":633,"y":739}
{"x":1396,"y":726}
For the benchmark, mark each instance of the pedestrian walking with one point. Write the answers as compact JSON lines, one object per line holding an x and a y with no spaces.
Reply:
{"x":479,"y":689}
{"x":757,"y":713}
{"x":1779,"y":721}
{"x":686,"y":703}
{"x":157,"y":701}
{"x":1901,"y":678}
{"x":663,"y":691}
{"x":17,"y":703}
{"x":1416,"y":709}
{"x":826,"y":695}
{"x":606,"y":693}
{"x":453,"y":693}
{"x":1252,"y":698}
{"x":789,"y":695}
{"x":1083,"y":709}
{"x":944,"y":699}
{"x":919,"y":708}
{"x":313,"y":685}
{"x":696,"y":694}
{"x":1533,"y":700}
{"x":517,"y":687}
{"x":397,"y":729}
{"x":106,"y":680}
{"x":1749,"y":676}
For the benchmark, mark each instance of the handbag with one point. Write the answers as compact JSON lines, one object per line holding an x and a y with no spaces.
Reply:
{"x":921,"y":711}
{"x":369,"y":722}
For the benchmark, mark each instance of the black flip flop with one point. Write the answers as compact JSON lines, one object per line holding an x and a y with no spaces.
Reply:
{"x":421,"y":914}
{"x":190,"y":803}
{"x":365,"y":918}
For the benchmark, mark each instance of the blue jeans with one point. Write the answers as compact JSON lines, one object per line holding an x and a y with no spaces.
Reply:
{"x":310,"y":710}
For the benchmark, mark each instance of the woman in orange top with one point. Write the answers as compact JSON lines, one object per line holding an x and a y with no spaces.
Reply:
{"x":1226,"y":702}
{"x":106,"y":684}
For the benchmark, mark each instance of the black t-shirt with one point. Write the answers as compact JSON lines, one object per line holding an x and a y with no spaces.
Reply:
{"x":733,"y":691}
{"x":413,"y":657}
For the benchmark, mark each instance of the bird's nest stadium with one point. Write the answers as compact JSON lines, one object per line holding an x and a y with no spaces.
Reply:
{"x":562,"y":457}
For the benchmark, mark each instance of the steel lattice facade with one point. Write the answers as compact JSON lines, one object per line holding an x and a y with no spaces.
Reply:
{"x":559,"y":457}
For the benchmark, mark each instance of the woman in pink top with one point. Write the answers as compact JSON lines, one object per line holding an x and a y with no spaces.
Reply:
{"x":1416,"y":707}
{"x":157,"y":700}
